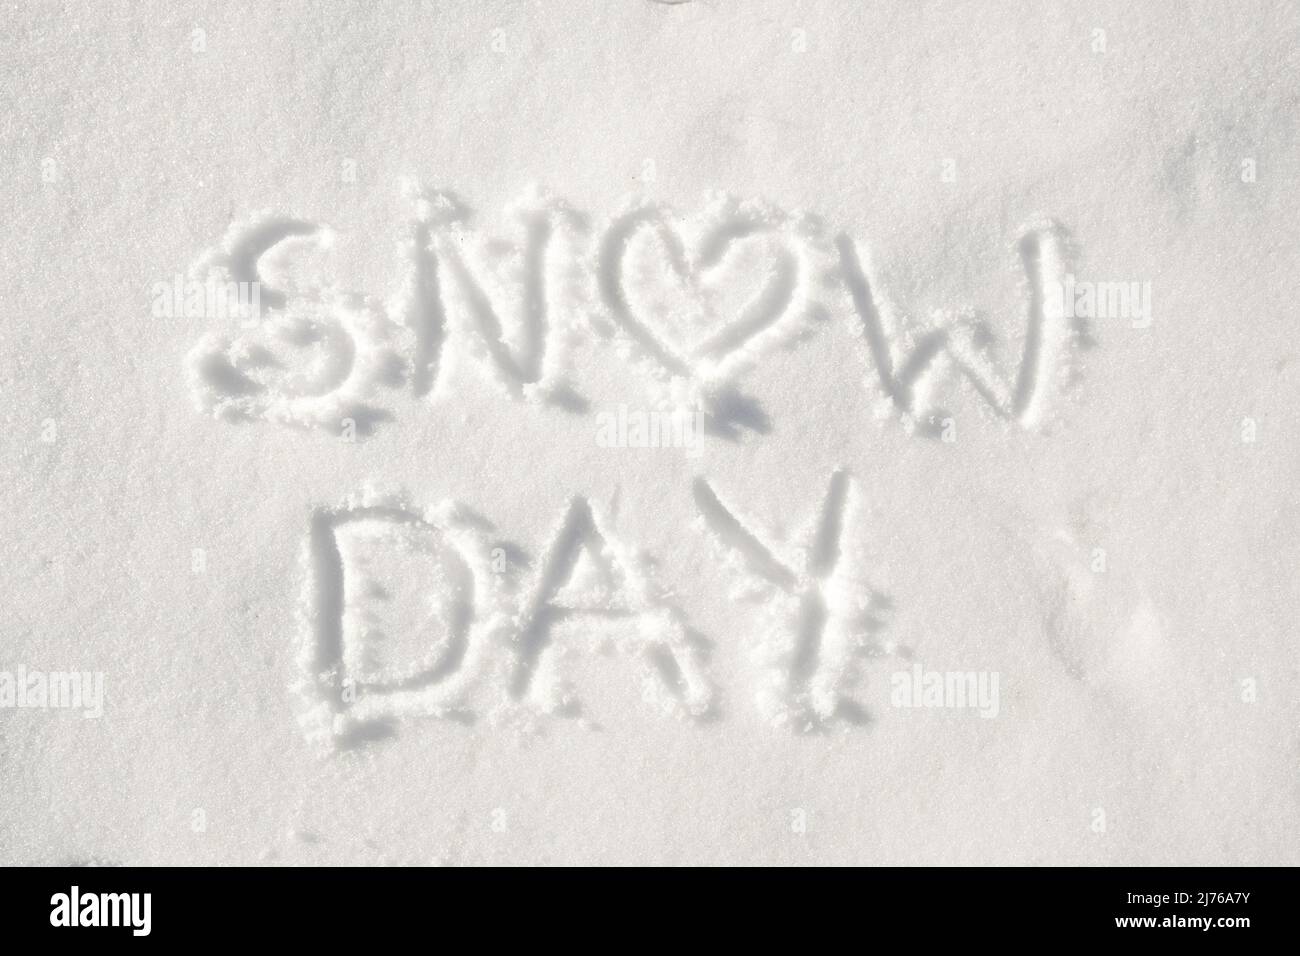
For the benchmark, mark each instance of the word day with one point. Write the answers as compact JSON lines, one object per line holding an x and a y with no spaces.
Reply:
{"x":408,"y":611}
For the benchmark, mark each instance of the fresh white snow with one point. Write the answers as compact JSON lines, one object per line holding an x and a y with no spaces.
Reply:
{"x":590,"y":432}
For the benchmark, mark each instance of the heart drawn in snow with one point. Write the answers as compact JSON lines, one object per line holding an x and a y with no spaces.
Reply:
{"x":702,"y":300}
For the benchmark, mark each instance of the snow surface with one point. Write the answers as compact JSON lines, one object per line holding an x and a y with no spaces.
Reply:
{"x":378,"y":575}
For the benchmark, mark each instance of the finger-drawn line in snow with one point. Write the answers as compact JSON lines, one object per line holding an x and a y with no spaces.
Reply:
{"x":396,"y":614}
{"x":410,"y":612}
{"x":699,"y":301}
{"x":820,"y":614}
{"x":693,"y":301}
{"x":461,"y":280}
{"x":319,"y":356}
{"x":613,"y":585}
{"x":961,"y":340}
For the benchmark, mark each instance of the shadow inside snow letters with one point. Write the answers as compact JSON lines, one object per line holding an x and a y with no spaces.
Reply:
{"x":408,"y":611}
{"x":690,"y":302}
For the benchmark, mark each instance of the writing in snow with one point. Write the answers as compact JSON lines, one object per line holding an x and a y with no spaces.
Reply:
{"x":692,"y":302}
